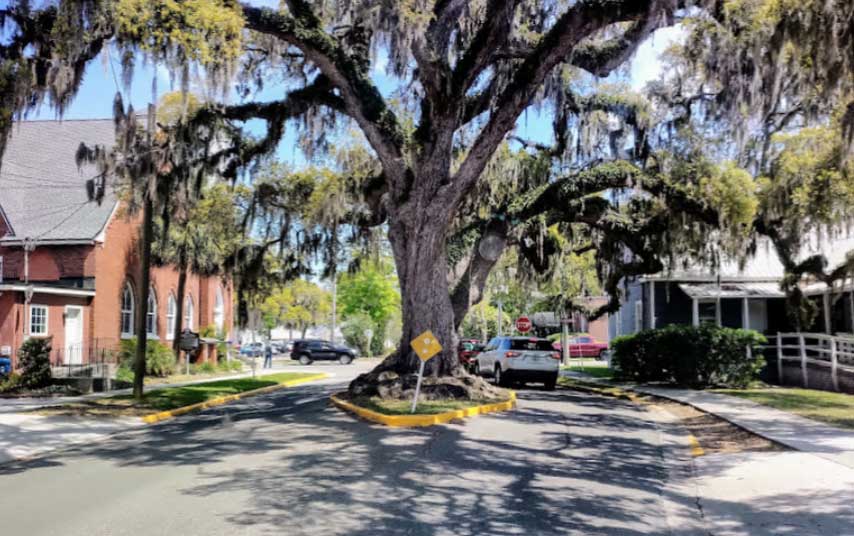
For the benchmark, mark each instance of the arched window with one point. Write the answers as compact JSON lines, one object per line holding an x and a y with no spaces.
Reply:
{"x":127,"y":311}
{"x":188,"y":313}
{"x":151,"y":314}
{"x":219,"y":311}
{"x":171,"y":309}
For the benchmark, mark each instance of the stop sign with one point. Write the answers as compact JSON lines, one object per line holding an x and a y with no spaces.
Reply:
{"x":523,"y":324}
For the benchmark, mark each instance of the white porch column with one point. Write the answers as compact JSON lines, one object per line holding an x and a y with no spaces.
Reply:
{"x":652,"y":304}
{"x":745,"y":314}
{"x":695,"y":312}
{"x":718,"y":311}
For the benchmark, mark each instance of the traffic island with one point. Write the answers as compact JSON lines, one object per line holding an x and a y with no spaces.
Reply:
{"x":168,"y":402}
{"x":396,"y":413}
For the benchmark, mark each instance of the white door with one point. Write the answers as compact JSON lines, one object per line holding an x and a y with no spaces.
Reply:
{"x":73,"y":335}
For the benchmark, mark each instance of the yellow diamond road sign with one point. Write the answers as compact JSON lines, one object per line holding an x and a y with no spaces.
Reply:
{"x":426,"y":345}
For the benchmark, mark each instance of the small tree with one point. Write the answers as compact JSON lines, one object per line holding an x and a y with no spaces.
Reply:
{"x":34,"y":359}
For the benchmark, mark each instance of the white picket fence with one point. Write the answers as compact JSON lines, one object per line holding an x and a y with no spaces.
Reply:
{"x":834,"y":352}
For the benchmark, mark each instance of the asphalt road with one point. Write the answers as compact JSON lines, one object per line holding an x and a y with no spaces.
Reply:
{"x":289,"y":463}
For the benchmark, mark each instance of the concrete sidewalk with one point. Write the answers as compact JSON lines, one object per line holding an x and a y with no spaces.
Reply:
{"x":793,"y":431}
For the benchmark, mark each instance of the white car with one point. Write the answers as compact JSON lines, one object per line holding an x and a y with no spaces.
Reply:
{"x":519,"y":359}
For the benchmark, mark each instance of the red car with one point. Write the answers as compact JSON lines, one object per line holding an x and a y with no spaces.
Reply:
{"x":583,"y":345}
{"x":467,"y":351}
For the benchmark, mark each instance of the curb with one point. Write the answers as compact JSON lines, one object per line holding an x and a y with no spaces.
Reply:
{"x":165,"y":415}
{"x":749,"y":429}
{"x":412,"y":421}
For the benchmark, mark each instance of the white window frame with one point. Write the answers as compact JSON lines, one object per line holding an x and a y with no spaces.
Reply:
{"x":151,"y":314}
{"x":171,"y":310}
{"x":127,"y":290}
{"x":33,"y":308}
{"x":219,"y":310}
{"x":189,"y":312}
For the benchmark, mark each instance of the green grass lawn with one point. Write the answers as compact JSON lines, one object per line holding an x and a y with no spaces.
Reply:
{"x":833,"y":408}
{"x":169,"y":397}
{"x":597,"y":369}
{"x":402,"y":407}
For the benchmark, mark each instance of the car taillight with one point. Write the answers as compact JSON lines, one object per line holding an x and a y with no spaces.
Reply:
{"x":555,"y":355}
{"x":512,"y":354}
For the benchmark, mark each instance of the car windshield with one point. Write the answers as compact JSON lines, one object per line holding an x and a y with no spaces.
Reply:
{"x":468,"y":346}
{"x":541,"y":345}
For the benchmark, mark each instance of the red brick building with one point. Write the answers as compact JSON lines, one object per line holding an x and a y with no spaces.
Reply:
{"x":82,"y":268}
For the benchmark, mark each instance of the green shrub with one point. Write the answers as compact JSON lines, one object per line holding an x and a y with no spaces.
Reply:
{"x":159,"y":358}
{"x":203,"y":368}
{"x":124,"y":373}
{"x":695,"y":357}
{"x":10,"y":383}
{"x":34,"y":361}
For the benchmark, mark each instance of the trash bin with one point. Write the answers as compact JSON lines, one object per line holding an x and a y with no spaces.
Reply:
{"x":5,"y":366}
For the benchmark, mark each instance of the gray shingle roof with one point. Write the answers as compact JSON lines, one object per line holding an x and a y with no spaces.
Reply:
{"x":42,"y":191}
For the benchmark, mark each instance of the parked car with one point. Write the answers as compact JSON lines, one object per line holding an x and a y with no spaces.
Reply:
{"x":466,"y":352}
{"x":282,"y":346}
{"x":583,"y":345}
{"x":519,"y":359}
{"x":310,"y":350}
{"x":252,"y":349}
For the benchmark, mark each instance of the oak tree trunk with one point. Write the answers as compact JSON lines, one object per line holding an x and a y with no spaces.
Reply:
{"x":420,"y":255}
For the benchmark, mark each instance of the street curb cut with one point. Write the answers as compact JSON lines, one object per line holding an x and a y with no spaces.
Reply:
{"x":164,"y":415}
{"x":412,"y":421}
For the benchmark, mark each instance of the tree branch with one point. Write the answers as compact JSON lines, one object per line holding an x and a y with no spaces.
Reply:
{"x":579,"y":22}
{"x":362,"y":100}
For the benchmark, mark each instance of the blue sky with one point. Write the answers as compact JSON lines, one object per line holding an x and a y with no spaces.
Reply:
{"x":100,"y":85}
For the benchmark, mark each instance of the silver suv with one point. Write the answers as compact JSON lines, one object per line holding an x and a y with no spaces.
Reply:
{"x":519,"y":359}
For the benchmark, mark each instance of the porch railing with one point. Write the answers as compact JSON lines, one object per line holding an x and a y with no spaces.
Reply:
{"x":95,"y":359}
{"x":812,"y":353}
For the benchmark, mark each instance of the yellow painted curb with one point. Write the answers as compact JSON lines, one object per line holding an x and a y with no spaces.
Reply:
{"x":696,"y":449}
{"x":164,"y":415}
{"x":410,"y":421}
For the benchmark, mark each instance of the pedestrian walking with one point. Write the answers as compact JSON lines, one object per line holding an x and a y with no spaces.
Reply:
{"x":268,"y":356}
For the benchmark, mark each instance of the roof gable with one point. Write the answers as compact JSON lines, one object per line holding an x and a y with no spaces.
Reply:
{"x":43,"y":193}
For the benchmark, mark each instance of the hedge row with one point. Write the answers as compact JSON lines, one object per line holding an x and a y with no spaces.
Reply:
{"x":695,"y":357}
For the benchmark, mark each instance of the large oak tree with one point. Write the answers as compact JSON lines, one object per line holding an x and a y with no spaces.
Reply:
{"x":465,"y":73}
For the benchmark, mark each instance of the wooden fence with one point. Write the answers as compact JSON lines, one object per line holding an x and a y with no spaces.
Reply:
{"x":833,"y":353}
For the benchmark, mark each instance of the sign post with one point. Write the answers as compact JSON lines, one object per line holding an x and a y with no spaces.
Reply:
{"x":426,"y":346}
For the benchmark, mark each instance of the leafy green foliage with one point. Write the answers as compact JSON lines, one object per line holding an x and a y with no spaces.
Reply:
{"x":695,"y":357}
{"x":371,"y":292}
{"x":159,"y":358}
{"x":10,"y":383}
{"x":355,"y":330}
{"x":481,"y":322}
{"x":34,"y":362}
{"x":299,"y":304}
{"x":206,"y":31}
